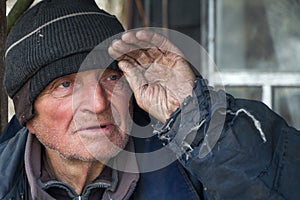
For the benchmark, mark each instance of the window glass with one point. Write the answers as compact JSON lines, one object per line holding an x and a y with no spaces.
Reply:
{"x":286,"y":102}
{"x":258,"y":35}
{"x":245,"y":92}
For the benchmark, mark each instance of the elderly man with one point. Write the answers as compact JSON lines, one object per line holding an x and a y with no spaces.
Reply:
{"x":76,"y":105}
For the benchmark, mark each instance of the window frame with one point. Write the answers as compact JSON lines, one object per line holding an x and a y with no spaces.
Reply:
{"x":266,"y":80}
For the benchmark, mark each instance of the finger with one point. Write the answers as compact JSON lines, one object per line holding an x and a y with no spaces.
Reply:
{"x":124,"y":57}
{"x":151,"y":50}
{"x":133,"y":63}
{"x":157,"y":40}
{"x":119,"y":49}
{"x":115,"y":54}
{"x":141,"y":56}
{"x":119,"y":56}
{"x":130,"y":38}
{"x":116,"y":49}
{"x":134,"y":76}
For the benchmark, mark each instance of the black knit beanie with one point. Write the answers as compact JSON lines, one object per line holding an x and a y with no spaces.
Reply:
{"x":51,"y":40}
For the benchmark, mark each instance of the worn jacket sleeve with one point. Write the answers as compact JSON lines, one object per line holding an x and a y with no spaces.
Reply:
{"x":238,"y":149}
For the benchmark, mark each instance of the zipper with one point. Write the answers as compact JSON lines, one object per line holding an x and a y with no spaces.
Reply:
{"x":22,"y":196}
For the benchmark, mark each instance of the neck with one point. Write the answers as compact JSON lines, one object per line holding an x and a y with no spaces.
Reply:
{"x":76,"y":173}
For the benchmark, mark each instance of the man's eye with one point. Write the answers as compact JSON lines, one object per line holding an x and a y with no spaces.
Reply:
{"x":65,"y":84}
{"x":113,"y":77}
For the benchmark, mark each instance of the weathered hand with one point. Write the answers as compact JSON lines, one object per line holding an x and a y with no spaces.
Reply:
{"x":156,"y":71}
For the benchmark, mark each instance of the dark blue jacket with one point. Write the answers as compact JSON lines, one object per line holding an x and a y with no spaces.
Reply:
{"x":227,"y":148}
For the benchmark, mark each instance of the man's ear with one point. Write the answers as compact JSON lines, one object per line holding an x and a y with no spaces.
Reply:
{"x":30,"y":127}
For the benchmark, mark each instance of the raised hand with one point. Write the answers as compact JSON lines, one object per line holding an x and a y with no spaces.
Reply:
{"x":156,"y":71}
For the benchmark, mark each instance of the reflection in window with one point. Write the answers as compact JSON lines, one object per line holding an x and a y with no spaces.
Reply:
{"x":286,"y":102}
{"x":259,"y":35}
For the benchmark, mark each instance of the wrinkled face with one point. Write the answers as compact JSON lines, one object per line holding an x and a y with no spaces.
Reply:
{"x":84,"y":116}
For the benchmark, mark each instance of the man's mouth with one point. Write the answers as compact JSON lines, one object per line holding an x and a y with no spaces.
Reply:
{"x":100,"y":127}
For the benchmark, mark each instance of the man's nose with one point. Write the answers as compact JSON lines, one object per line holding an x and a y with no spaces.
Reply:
{"x":94,"y":98}
{"x":101,"y":101}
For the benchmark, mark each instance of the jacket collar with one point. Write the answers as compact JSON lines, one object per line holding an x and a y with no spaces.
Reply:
{"x":127,"y":176}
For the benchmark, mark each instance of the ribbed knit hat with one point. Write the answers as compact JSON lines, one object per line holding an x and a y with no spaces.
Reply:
{"x":51,"y":40}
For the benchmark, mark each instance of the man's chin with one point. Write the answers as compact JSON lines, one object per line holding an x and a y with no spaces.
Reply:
{"x":103,"y":151}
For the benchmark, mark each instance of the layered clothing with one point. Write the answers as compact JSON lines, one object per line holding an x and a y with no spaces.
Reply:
{"x":219,"y":147}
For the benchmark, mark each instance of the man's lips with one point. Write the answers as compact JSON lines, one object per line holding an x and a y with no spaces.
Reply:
{"x":98,"y":127}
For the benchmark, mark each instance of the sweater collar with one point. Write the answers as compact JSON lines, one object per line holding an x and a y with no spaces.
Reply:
{"x":121,"y":187}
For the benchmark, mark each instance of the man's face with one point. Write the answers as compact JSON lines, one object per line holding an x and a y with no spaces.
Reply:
{"x":84,"y":116}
